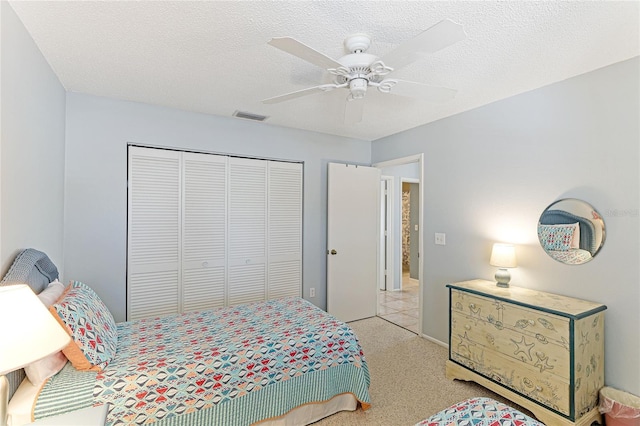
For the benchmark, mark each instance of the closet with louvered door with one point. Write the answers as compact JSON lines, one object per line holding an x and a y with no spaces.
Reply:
{"x":247,"y":230}
{"x":207,"y":231}
{"x":153,"y":232}
{"x":204,"y":231}
{"x":285,"y":230}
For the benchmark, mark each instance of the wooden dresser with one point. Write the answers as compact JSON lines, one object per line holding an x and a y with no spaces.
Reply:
{"x":543,"y":351}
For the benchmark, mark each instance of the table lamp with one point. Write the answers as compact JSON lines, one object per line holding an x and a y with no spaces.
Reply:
{"x":28,"y":332}
{"x":503,"y":256}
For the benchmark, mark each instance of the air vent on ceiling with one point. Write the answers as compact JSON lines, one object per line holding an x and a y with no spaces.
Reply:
{"x":249,"y":116}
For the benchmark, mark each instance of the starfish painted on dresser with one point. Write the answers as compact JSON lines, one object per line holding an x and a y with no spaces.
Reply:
{"x":543,"y":362}
{"x":465,"y":342}
{"x":526,"y":350}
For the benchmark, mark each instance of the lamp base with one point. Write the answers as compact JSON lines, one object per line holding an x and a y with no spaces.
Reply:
{"x":502,"y":277}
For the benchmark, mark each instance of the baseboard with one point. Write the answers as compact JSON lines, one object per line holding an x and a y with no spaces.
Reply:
{"x":434,"y":340}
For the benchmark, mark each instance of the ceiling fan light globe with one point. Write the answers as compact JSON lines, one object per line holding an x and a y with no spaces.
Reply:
{"x":358,"y":88}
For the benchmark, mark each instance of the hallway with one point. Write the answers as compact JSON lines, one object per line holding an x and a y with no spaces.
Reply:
{"x":401,"y":307}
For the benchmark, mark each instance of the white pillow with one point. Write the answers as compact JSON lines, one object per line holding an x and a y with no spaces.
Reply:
{"x":41,"y":370}
{"x":575,"y":243}
{"x":52,"y":293}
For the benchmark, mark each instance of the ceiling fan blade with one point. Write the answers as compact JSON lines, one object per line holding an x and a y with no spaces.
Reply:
{"x":299,"y":93}
{"x":301,"y":50}
{"x":413,"y":89}
{"x":441,"y":35}
{"x":353,"y":110}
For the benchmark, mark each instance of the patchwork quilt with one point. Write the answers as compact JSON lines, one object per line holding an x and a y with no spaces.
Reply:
{"x":234,"y":365}
{"x":479,"y":412}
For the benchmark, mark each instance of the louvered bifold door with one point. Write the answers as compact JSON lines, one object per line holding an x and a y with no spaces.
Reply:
{"x":204,"y":231}
{"x":284,"y":230}
{"x":247,"y":230}
{"x":153,"y":232}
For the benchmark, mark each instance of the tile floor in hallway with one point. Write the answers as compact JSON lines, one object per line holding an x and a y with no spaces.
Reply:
{"x":401,"y":307}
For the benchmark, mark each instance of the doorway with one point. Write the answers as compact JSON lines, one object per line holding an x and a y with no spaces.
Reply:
{"x":410,"y":227}
{"x":401,"y":242}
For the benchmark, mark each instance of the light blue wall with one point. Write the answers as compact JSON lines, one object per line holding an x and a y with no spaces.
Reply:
{"x":490,"y":172}
{"x":98,"y":130}
{"x":32,"y":146}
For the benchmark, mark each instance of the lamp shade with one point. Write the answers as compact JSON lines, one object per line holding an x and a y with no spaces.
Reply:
{"x":28,"y":331}
{"x":503,"y":256}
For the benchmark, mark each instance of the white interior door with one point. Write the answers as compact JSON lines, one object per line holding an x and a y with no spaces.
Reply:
{"x":352,"y":241}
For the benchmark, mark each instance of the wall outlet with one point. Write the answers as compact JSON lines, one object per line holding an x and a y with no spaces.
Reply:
{"x":440,"y":239}
{"x":312,"y":292}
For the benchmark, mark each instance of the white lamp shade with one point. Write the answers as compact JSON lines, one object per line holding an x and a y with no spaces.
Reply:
{"x":503,"y":256}
{"x":28,"y":331}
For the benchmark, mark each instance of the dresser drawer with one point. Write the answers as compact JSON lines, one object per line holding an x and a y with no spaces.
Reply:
{"x":542,"y":326}
{"x":468,"y":333}
{"x":546,"y":388}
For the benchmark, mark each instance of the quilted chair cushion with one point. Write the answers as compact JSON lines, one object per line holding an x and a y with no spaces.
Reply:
{"x":91,"y":326}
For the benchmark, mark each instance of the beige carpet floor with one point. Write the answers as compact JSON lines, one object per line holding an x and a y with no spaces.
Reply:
{"x":408,"y":382}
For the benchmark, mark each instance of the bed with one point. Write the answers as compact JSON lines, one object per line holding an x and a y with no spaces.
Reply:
{"x":479,"y":412}
{"x":277,"y":362}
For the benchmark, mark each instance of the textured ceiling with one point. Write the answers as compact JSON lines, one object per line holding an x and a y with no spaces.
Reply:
{"x":213,"y":56}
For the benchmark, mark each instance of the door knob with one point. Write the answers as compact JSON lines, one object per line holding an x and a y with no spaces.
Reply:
{"x":333,"y":251}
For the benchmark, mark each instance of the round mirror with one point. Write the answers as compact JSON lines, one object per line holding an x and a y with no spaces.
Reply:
{"x":571,"y":231}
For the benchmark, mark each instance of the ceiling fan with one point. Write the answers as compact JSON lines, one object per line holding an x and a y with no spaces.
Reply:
{"x":358,"y":70}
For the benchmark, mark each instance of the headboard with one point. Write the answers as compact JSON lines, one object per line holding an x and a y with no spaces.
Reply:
{"x":34,"y":268}
{"x":587,"y":229}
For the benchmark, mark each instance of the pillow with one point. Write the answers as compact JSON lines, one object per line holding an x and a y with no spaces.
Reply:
{"x":556,"y":237}
{"x":41,"y":370}
{"x":90,"y":325}
{"x":52,"y":293}
{"x":575,"y":242}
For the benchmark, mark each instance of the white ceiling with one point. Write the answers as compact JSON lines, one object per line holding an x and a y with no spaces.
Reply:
{"x":213,"y":56}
